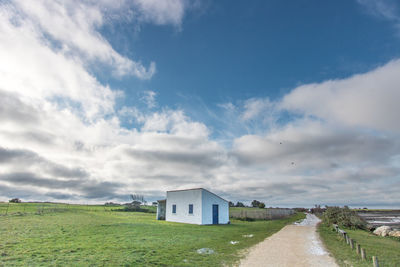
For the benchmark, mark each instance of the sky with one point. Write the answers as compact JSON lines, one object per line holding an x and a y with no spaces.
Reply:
{"x":293,"y":103}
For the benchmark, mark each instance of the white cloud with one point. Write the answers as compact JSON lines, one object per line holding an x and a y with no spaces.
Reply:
{"x":255,"y":107}
{"x":75,"y":24}
{"x":383,"y":9}
{"x":162,"y":11}
{"x":149,"y":98}
{"x":367,"y":100}
{"x":63,"y":137}
{"x":33,"y":70}
{"x":60,"y":122}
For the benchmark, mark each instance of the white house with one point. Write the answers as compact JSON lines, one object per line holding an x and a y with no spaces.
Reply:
{"x":196,"y":206}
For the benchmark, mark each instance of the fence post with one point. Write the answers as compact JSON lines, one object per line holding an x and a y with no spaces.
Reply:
{"x":351,"y":241}
{"x":358,"y":249}
{"x":375,"y":261}
{"x":363,"y":254}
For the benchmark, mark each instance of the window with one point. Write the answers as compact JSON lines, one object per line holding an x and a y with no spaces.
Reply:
{"x":190,"y":208}
{"x":174,"y":208}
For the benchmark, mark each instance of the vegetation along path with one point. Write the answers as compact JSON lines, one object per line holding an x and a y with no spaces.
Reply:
{"x":295,"y":245}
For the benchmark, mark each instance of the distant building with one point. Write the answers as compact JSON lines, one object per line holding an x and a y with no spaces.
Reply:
{"x":196,"y":206}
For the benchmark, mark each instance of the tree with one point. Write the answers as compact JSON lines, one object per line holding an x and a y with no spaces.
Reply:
{"x":255,"y":203}
{"x":231,"y":204}
{"x":239,"y":204}
{"x":15,"y":200}
{"x":261,"y":205}
{"x":138,"y":198}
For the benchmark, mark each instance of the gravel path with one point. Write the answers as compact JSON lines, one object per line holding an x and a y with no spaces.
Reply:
{"x":294,"y":245}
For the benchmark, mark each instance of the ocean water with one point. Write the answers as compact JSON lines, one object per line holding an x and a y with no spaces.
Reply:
{"x":379,"y":218}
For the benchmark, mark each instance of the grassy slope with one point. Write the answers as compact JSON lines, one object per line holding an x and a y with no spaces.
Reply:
{"x":82,"y":235}
{"x":387,"y":249}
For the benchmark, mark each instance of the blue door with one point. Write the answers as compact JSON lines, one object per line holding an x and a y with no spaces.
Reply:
{"x":215,"y":214}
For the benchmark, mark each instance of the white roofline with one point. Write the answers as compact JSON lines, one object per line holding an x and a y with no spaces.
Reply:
{"x":200,"y":188}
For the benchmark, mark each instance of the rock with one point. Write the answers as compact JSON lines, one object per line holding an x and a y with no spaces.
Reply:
{"x":205,"y":251}
{"x":383,"y":230}
{"x":395,"y":233}
{"x":370,"y":227}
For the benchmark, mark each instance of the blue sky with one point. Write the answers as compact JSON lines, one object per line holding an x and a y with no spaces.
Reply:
{"x":235,"y":51}
{"x":227,"y":52}
{"x":290,"y":102}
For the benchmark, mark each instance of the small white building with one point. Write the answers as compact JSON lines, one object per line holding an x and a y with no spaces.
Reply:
{"x":196,"y":206}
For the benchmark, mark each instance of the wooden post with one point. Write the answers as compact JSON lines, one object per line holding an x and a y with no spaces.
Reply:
{"x":358,"y":248}
{"x":351,"y":241}
{"x":363,"y":254}
{"x":375,"y":261}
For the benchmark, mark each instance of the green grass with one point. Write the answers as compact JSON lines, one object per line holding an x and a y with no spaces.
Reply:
{"x":387,"y":249}
{"x":80,"y":235}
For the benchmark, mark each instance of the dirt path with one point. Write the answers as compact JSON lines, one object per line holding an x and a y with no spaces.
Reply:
{"x":294,"y":245}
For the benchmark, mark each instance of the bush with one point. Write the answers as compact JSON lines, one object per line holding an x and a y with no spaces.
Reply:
{"x":15,"y":200}
{"x":135,"y":208}
{"x":239,"y":204}
{"x":343,"y":217}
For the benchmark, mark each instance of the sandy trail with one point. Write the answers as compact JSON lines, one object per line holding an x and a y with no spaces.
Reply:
{"x":294,"y":245}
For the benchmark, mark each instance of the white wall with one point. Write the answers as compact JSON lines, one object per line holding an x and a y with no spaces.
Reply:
{"x":182,"y":199}
{"x":208,"y":199}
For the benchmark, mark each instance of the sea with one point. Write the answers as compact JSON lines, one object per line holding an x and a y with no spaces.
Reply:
{"x":379,"y":218}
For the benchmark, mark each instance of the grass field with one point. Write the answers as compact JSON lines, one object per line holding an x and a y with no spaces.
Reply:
{"x":80,"y":235}
{"x":387,"y":249}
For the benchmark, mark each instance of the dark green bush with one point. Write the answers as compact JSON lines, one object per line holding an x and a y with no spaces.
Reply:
{"x":343,"y":217}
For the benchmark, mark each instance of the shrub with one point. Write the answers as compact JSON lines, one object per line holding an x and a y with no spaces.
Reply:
{"x":135,"y":208}
{"x":15,"y":200}
{"x":343,"y":217}
{"x":239,"y":204}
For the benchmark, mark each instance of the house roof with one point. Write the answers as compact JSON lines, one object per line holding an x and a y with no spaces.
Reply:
{"x":161,"y":200}
{"x":200,"y":188}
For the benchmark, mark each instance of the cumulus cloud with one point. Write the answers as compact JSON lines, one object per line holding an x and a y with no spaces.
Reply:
{"x":60,"y":132}
{"x":73,"y":27}
{"x":365,"y":100}
{"x":341,"y":134}
{"x":63,"y":135}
